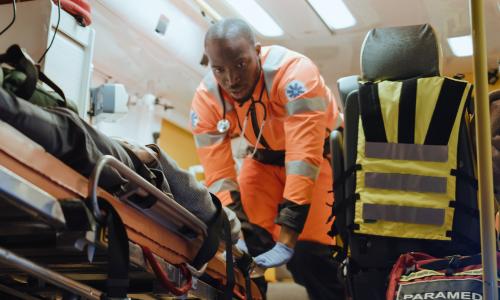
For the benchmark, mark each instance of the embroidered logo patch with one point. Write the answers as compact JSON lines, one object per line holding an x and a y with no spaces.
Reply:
{"x":295,"y":89}
{"x":195,"y":119}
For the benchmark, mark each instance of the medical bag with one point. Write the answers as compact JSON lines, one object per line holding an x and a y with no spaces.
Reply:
{"x":418,"y":276}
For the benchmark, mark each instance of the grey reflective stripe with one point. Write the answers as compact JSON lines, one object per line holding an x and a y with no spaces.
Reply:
{"x":305,"y":104}
{"x":208,"y":139}
{"x":213,"y":88}
{"x":404,"y":214}
{"x":299,"y":167}
{"x":272,"y":64}
{"x":405,"y":182}
{"x":224,"y":184}
{"x":435,"y":153}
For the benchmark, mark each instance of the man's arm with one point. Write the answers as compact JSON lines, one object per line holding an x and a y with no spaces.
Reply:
{"x":310,"y":110}
{"x":302,"y":91}
{"x":213,"y":147}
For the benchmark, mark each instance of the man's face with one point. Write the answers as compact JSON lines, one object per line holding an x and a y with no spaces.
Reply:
{"x":235,"y":65}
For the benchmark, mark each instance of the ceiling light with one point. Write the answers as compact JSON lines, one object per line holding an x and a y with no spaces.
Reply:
{"x":461,"y":45}
{"x":257,"y":17}
{"x":333,"y":13}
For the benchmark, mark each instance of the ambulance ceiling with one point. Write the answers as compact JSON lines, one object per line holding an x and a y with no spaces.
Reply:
{"x":128,"y":50}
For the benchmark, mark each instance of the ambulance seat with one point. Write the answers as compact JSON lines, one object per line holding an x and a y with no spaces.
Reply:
{"x":345,"y":86}
{"x":348,"y":91}
{"x":396,"y":53}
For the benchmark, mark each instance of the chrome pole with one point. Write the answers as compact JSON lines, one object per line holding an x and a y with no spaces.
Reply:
{"x":483,"y":134}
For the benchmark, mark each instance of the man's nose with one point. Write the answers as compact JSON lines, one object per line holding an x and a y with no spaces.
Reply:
{"x":233,"y":78}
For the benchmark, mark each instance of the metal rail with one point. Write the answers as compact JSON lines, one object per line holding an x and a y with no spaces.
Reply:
{"x":165,"y":204}
{"x":483,"y":134}
{"x":31,"y":199}
{"x":20,"y":263}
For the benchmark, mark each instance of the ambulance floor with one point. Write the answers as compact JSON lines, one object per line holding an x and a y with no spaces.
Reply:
{"x":286,"y":290}
{"x":281,"y":285}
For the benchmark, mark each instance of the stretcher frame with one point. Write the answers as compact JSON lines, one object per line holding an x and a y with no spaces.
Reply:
{"x":27,"y":164}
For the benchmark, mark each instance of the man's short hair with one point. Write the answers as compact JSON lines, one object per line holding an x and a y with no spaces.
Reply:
{"x":230,"y":28}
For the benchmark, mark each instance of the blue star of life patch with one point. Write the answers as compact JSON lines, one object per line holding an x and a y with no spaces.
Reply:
{"x":295,"y":89}
{"x":195,"y":119}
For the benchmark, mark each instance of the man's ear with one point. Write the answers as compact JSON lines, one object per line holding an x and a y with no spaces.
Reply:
{"x":257,"y":48}
{"x":204,"y":60}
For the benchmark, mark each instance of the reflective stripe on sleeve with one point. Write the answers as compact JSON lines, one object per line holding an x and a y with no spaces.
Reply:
{"x":299,"y":167}
{"x":208,"y":139}
{"x":224,"y":184}
{"x":304,"y":105}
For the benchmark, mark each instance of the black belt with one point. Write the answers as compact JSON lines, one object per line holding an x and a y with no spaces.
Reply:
{"x":277,"y":157}
{"x":269,"y":157}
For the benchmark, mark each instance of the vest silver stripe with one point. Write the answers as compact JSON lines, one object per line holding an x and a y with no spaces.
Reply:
{"x":436,"y":153}
{"x":404,"y":214}
{"x":299,"y":167}
{"x":405,"y":182}
{"x":223,"y":184}
{"x":208,"y":139}
{"x":304,"y":105}
{"x":272,"y":65}
{"x":213,"y":88}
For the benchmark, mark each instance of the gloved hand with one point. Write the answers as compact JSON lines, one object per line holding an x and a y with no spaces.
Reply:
{"x":279,"y":255}
{"x":242,"y":246}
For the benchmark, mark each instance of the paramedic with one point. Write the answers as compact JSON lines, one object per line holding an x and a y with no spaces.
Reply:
{"x":277,"y":100}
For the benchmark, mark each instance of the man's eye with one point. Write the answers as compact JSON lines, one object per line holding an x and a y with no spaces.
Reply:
{"x":241,"y":65}
{"x":217,"y":70}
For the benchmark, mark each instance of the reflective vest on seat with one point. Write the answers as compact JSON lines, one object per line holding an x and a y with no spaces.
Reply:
{"x":407,"y":157}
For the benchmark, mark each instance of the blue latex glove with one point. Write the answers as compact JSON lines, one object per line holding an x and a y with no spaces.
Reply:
{"x":242,"y":246}
{"x":279,"y":255}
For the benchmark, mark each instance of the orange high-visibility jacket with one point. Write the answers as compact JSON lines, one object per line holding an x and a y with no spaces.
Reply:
{"x":300,"y":113}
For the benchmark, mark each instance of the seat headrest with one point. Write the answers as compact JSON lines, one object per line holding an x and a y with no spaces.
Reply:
{"x":396,"y":53}
{"x":346,"y":85}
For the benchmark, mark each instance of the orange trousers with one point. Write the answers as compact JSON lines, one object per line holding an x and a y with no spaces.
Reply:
{"x":261,"y":188}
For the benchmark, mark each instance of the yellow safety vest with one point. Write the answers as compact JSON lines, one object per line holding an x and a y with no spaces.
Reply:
{"x":407,"y":155}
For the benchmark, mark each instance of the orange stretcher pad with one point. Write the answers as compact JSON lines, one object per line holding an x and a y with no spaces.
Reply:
{"x":29,"y":160}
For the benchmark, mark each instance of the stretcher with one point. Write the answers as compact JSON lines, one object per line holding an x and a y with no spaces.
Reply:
{"x":52,"y":245}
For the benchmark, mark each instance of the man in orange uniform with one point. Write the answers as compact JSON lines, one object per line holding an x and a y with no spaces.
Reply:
{"x":278,"y":101}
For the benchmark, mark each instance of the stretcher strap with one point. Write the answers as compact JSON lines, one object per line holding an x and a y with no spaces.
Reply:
{"x":244,"y":263}
{"x":160,"y":273}
{"x":117,"y":283}
{"x":228,"y":293}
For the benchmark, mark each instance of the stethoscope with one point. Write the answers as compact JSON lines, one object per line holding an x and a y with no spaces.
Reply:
{"x":224,"y":124}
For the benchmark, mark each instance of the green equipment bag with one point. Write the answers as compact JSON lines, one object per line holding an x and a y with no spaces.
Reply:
{"x":20,"y":76}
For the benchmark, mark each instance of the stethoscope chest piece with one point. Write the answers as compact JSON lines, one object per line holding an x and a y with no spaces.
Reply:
{"x":223,"y":125}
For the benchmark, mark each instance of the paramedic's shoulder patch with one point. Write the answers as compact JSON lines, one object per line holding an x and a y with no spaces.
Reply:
{"x":294,"y":89}
{"x":195,"y":119}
